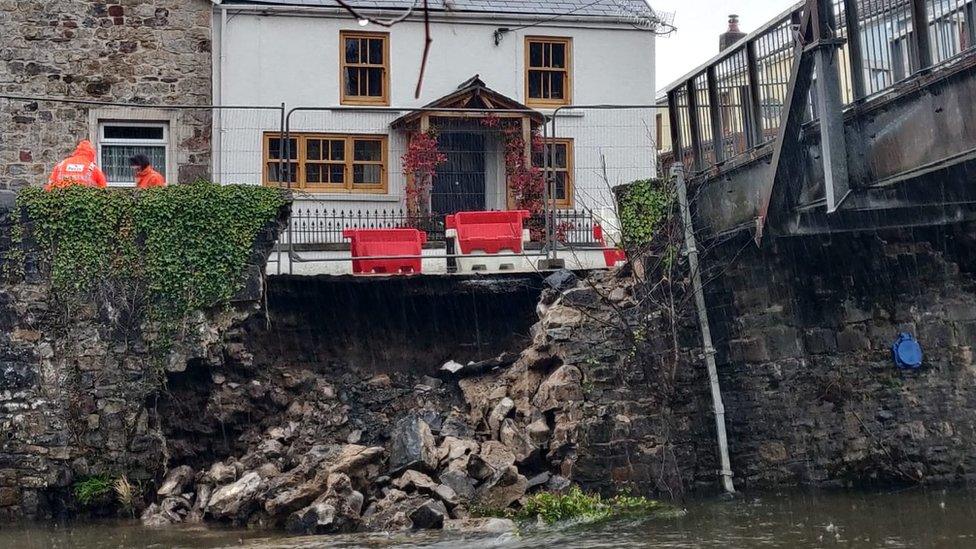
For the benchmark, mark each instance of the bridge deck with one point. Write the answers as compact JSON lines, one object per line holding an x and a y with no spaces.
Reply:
{"x":834,"y":116}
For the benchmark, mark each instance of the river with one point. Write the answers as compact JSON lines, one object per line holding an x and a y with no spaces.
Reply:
{"x":909,"y":519}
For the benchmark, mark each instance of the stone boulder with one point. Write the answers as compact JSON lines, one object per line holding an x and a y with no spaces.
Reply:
{"x":337,"y":510}
{"x":429,"y":515}
{"x":317,"y":518}
{"x":353,"y":459}
{"x":390,"y":513}
{"x":414,"y":481}
{"x":452,"y":448}
{"x":562,"y":387}
{"x":176,"y":481}
{"x":293,"y":499}
{"x":488,"y":525}
{"x":507,"y":487}
{"x":412,"y":446}
{"x":220,"y":473}
{"x":172,"y":510}
{"x":235,"y":500}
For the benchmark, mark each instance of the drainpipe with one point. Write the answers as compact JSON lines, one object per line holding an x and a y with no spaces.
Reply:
{"x":691,"y":250}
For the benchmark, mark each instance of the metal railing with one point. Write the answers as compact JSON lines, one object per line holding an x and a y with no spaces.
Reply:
{"x":734,"y":102}
{"x":315,"y":228}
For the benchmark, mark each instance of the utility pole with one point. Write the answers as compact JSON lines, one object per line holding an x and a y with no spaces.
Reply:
{"x":691,"y":250}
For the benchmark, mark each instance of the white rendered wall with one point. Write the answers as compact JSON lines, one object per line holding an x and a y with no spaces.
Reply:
{"x":270,"y":59}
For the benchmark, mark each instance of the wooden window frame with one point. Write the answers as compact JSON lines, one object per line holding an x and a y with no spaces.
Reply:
{"x":568,"y":71}
{"x":569,"y":170}
{"x":349,"y":162}
{"x":344,"y":99}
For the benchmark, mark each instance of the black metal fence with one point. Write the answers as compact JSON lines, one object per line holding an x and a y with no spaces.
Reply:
{"x":321,"y":227}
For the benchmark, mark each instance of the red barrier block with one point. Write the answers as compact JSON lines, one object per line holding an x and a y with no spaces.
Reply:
{"x":368,"y":243}
{"x":489,"y":232}
{"x":610,"y":255}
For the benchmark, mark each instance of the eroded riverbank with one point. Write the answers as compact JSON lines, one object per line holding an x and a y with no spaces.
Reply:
{"x":799,"y":520}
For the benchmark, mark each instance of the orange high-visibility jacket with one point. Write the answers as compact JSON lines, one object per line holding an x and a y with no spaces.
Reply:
{"x":77,"y":169}
{"x":148,"y":178}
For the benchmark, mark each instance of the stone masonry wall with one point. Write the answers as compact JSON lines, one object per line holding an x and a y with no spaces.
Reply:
{"x":804,"y":330}
{"x":812,"y":394}
{"x":80,"y":397}
{"x":127,"y":51}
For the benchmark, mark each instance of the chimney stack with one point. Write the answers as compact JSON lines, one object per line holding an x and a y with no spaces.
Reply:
{"x":732,"y":35}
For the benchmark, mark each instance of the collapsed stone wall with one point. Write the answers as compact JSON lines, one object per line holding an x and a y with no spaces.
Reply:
{"x":130,"y":52}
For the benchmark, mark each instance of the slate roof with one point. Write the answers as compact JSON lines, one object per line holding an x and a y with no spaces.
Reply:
{"x":584,"y":8}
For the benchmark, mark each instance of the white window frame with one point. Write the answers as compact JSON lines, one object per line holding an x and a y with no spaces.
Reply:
{"x":163,"y":142}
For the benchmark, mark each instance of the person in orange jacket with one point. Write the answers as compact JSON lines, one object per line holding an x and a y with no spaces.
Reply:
{"x":146,"y":176}
{"x":77,"y":169}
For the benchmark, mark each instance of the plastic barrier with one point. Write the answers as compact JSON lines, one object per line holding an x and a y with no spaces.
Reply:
{"x":481,"y":235}
{"x":382,"y":243}
{"x":611,"y":256}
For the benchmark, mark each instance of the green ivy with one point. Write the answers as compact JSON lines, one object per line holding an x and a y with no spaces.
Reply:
{"x":177,"y":249}
{"x":644,"y":205}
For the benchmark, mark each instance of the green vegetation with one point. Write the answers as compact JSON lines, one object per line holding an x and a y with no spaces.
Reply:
{"x":644,"y":206}
{"x":576,"y":505}
{"x":170,"y":250}
{"x":93,"y":489}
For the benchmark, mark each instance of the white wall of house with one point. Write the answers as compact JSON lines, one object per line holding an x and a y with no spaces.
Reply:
{"x":270,"y":59}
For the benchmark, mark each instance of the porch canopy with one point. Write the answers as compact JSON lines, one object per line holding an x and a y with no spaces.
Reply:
{"x":477,"y":99}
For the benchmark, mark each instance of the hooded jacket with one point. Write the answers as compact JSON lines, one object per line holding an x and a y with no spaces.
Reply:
{"x":77,"y":169}
{"x":148,"y":178}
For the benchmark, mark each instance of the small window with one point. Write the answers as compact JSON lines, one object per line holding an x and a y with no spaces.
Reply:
{"x":560,"y":162}
{"x":548,"y":71}
{"x":119,"y":141}
{"x":327,"y":163}
{"x":364,"y":67}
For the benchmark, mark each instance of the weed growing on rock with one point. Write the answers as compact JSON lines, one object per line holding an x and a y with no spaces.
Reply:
{"x":576,"y":505}
{"x":93,"y":489}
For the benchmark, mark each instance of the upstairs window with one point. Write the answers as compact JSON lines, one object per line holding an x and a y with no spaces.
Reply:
{"x":365,"y":68}
{"x":120,"y":141}
{"x":548,"y":71}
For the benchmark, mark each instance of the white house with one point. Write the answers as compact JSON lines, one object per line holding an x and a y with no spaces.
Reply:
{"x":356,"y":84}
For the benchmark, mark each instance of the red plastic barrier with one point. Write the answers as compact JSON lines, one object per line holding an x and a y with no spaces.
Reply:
{"x":610,"y":255}
{"x":490,"y":232}
{"x":368,"y":243}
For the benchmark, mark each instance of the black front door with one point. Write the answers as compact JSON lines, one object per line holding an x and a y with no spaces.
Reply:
{"x":459,"y":184}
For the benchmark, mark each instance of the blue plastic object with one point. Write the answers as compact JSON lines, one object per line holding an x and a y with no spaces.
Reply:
{"x":907,"y":352}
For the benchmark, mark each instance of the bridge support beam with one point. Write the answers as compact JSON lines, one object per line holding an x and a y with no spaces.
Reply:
{"x":830,"y":104}
{"x":855,"y":53}
{"x":920,"y":28}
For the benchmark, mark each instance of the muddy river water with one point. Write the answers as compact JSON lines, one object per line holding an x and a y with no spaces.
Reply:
{"x":894,"y":519}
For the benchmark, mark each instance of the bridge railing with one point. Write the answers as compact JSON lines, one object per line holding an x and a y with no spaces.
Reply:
{"x":734,"y":103}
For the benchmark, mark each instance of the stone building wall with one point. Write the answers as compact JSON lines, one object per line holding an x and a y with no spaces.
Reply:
{"x":124,"y":51}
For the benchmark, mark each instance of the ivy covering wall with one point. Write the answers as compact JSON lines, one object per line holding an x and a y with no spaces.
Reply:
{"x":151,"y":255}
{"x":645,"y":207}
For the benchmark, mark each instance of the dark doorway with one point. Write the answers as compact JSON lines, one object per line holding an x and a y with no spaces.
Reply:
{"x":459,"y":184}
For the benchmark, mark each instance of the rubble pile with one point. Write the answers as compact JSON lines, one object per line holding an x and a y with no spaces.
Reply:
{"x":392,"y":451}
